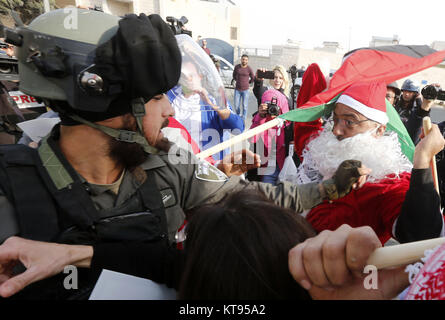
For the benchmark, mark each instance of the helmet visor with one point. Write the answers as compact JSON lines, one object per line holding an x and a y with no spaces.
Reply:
{"x":200,"y":87}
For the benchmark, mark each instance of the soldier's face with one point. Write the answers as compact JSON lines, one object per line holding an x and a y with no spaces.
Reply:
{"x":157,"y":110}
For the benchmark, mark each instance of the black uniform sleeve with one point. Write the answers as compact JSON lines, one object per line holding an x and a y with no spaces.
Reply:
{"x":157,"y":261}
{"x":420,"y":217}
{"x":414,"y":124}
{"x":258,"y":90}
{"x":8,"y":221}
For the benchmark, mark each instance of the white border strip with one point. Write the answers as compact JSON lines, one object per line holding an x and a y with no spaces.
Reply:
{"x":368,"y":112}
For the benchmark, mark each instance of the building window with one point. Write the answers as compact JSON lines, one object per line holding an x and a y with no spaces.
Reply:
{"x":233,"y":33}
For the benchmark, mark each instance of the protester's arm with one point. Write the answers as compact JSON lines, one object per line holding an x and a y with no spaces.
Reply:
{"x":41,"y":259}
{"x":233,"y":121}
{"x":331,"y":266}
{"x":258,"y":88}
{"x":223,"y":113}
{"x":420,"y":216}
{"x":239,"y":162}
{"x":157,"y":261}
{"x":198,"y":191}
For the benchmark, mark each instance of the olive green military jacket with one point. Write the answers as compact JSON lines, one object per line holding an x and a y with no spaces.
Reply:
{"x":184,"y":182}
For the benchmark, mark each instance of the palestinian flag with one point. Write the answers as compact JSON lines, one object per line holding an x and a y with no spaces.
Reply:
{"x":387,"y":64}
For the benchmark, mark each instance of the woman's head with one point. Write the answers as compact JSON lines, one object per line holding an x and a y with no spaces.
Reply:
{"x":280,"y":80}
{"x":238,"y":249}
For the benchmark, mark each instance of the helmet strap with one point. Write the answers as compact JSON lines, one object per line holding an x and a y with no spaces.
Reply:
{"x":138,"y":111}
{"x":122,"y":135}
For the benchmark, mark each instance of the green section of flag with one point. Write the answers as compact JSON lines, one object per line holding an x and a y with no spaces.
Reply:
{"x":310,"y":114}
{"x":394,"y":124}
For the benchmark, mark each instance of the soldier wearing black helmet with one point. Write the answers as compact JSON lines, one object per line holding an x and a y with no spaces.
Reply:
{"x":105,"y":174}
{"x":412,"y":108}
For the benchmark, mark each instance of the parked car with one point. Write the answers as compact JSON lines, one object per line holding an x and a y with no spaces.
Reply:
{"x":226,"y":72}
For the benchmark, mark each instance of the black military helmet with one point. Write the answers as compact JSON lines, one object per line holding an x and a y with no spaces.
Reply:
{"x":93,"y":65}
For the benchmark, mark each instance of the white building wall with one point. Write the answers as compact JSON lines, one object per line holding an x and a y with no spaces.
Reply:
{"x":206,"y":19}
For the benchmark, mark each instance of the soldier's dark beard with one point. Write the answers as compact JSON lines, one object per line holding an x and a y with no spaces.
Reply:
{"x":129,"y":155}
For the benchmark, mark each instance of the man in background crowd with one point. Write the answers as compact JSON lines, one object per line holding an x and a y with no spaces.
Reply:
{"x":204,"y":47}
{"x":244,"y":76}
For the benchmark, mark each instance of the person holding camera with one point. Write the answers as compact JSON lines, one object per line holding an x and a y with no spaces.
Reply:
{"x":278,"y":80}
{"x":270,"y":144}
{"x":412,"y":109}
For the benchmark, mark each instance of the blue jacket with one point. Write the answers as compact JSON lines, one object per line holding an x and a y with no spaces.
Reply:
{"x":210,"y":120}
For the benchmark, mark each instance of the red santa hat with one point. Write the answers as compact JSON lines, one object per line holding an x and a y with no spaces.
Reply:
{"x":368,"y":98}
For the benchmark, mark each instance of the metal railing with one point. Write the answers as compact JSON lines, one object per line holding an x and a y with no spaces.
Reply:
{"x":262,"y":52}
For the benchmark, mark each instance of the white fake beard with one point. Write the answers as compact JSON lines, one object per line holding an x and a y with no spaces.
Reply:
{"x":323,"y":155}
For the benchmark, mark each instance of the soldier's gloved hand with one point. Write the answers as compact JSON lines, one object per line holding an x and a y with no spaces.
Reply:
{"x":349,"y":175}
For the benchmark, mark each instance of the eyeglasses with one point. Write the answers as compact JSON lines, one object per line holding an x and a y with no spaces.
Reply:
{"x":350,"y":124}
{"x":389,"y":96}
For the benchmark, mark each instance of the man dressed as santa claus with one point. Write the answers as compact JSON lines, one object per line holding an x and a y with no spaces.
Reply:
{"x":387,"y":202}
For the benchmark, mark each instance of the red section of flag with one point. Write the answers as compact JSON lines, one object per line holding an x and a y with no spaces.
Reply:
{"x":374,"y":65}
{"x":173,"y":123}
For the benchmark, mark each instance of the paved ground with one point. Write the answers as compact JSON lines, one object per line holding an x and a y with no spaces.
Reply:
{"x":252,"y":107}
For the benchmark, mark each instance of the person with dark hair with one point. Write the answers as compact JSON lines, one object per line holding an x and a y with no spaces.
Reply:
{"x":238,"y":249}
{"x":243,"y":75}
{"x":393,"y":93}
{"x":204,"y":46}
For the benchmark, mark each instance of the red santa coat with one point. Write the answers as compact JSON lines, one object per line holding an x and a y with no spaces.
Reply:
{"x":375,"y":204}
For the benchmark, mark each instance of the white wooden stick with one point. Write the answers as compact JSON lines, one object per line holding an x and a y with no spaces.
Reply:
{"x":239,"y":138}
{"x":402,"y":254}
{"x":426,"y":129}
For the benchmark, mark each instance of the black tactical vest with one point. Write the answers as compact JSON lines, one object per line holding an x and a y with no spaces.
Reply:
{"x":59,"y":209}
